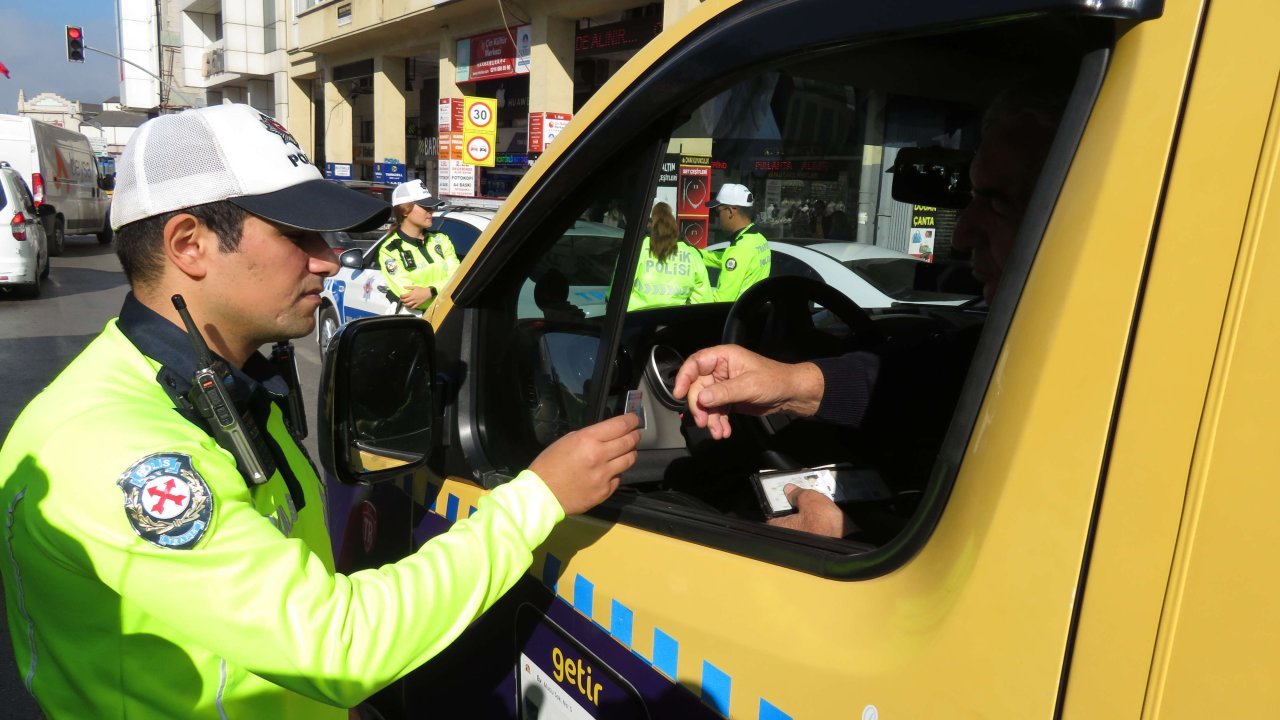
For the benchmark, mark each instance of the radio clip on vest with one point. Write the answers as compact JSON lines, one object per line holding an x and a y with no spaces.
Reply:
{"x":236,"y":434}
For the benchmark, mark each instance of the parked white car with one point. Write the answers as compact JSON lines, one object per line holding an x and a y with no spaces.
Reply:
{"x":872,"y":276}
{"x":24,"y":251}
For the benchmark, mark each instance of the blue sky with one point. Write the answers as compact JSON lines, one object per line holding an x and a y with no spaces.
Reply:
{"x":33,"y":46}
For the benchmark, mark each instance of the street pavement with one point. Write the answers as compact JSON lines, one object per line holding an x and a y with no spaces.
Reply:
{"x":39,"y":337}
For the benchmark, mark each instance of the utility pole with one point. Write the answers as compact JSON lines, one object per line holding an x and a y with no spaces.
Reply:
{"x":157,"y":77}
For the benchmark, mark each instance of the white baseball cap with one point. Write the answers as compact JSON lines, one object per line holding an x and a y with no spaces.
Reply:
{"x":236,"y":153}
{"x":735,"y":195}
{"x":415,"y":191}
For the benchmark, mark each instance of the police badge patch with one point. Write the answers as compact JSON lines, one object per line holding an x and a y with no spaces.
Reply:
{"x":391,"y":266}
{"x":731,"y":264}
{"x":167,"y":502}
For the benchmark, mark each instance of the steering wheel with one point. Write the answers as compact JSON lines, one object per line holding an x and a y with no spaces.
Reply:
{"x":774,"y":318}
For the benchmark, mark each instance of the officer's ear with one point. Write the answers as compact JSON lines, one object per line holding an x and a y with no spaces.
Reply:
{"x":186,"y":244}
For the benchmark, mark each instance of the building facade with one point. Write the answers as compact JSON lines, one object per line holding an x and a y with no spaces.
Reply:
{"x":374,"y":86}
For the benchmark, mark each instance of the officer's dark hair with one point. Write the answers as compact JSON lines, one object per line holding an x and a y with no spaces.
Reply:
{"x":663,"y":232}
{"x":138,"y":243}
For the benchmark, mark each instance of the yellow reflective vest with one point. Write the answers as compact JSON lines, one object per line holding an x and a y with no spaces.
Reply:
{"x":144,"y":578}
{"x":744,"y":263}
{"x":680,"y":280}
{"x":426,"y":262}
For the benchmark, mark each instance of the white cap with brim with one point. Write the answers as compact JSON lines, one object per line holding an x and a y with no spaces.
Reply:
{"x":415,"y":191}
{"x":735,"y":195}
{"x":234,"y":153}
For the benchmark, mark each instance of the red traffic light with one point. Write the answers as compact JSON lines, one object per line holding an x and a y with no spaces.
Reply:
{"x":75,"y":44}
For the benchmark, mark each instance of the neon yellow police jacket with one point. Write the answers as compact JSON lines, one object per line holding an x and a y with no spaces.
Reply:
{"x":680,"y":280}
{"x":744,"y":263}
{"x":428,"y":262}
{"x":143,"y":578}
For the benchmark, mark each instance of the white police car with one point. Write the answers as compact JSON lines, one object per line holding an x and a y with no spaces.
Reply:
{"x":24,"y":252}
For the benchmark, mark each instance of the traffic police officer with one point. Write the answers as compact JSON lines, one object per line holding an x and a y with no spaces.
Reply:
{"x":416,"y":263}
{"x":669,"y":271}
{"x":146,"y":574}
{"x":747,"y":259}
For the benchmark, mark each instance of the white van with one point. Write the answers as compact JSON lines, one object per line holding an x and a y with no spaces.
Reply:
{"x":62,"y":172}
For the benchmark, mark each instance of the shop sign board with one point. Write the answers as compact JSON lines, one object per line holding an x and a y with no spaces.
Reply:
{"x":544,"y":127}
{"x":450,"y":116}
{"x":693,"y":191}
{"x":616,"y":36}
{"x":337,"y":171}
{"x":498,"y":54}
{"x":455,"y":177}
{"x":389,"y":172}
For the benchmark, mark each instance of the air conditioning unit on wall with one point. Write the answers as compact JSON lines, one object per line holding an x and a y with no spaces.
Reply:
{"x":215,"y":62}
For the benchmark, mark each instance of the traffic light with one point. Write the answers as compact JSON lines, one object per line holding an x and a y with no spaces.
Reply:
{"x":75,"y":44}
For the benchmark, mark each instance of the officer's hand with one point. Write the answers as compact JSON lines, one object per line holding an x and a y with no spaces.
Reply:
{"x":728,"y":378}
{"x":414,"y":296}
{"x":815,"y":513}
{"x":582,"y":468}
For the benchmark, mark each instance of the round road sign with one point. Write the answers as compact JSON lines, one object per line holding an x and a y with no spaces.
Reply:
{"x":479,"y":149}
{"x":480,"y":114}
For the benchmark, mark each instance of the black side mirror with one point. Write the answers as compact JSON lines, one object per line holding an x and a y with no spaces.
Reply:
{"x":353,"y":258}
{"x":377,"y":408}
{"x":107,"y":182}
{"x":932,"y":176}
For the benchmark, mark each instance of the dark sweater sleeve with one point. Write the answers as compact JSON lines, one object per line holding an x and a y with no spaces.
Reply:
{"x":848,"y":381}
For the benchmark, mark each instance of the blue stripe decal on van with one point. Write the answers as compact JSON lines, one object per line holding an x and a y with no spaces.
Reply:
{"x":551,"y":573}
{"x":584,"y":592}
{"x":620,"y":617}
{"x":666,"y":653}
{"x":715,"y":688}
{"x":716,"y":684}
{"x":769,"y":712}
{"x":451,"y":511}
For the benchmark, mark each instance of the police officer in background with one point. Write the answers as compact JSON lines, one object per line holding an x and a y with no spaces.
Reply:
{"x":147,"y":574}
{"x":669,"y":271}
{"x":416,"y":263}
{"x":746,"y":261}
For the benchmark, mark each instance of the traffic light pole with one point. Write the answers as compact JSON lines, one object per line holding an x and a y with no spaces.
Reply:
{"x":173,"y":90}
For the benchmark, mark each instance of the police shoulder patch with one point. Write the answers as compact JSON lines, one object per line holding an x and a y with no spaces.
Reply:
{"x":167,"y":502}
{"x":731,"y":263}
{"x":391,"y":266}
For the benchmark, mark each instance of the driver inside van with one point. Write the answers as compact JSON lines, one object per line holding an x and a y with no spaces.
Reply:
{"x":1018,"y":129}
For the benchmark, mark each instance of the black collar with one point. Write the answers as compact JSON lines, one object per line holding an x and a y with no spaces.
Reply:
{"x":738,"y":235}
{"x":169,"y":345}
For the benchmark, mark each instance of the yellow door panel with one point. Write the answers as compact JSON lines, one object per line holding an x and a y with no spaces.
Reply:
{"x":1174,"y":352}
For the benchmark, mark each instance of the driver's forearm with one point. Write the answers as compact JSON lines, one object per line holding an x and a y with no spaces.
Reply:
{"x":848,"y":382}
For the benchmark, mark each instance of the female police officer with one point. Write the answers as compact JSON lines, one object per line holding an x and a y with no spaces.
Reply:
{"x":145,"y":576}
{"x":416,"y":263}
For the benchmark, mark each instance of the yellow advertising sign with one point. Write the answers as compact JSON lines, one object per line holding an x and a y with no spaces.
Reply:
{"x":479,"y":130}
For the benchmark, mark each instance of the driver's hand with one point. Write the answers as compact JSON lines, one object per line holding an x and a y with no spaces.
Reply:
{"x":728,"y":378}
{"x":815,"y":513}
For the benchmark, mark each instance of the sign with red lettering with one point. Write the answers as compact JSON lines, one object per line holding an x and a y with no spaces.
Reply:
{"x":544,"y":127}
{"x":497,"y":54}
{"x":450,"y":115}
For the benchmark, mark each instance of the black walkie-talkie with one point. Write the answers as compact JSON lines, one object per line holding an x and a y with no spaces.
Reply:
{"x":286,"y":363}
{"x":237,"y":435}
